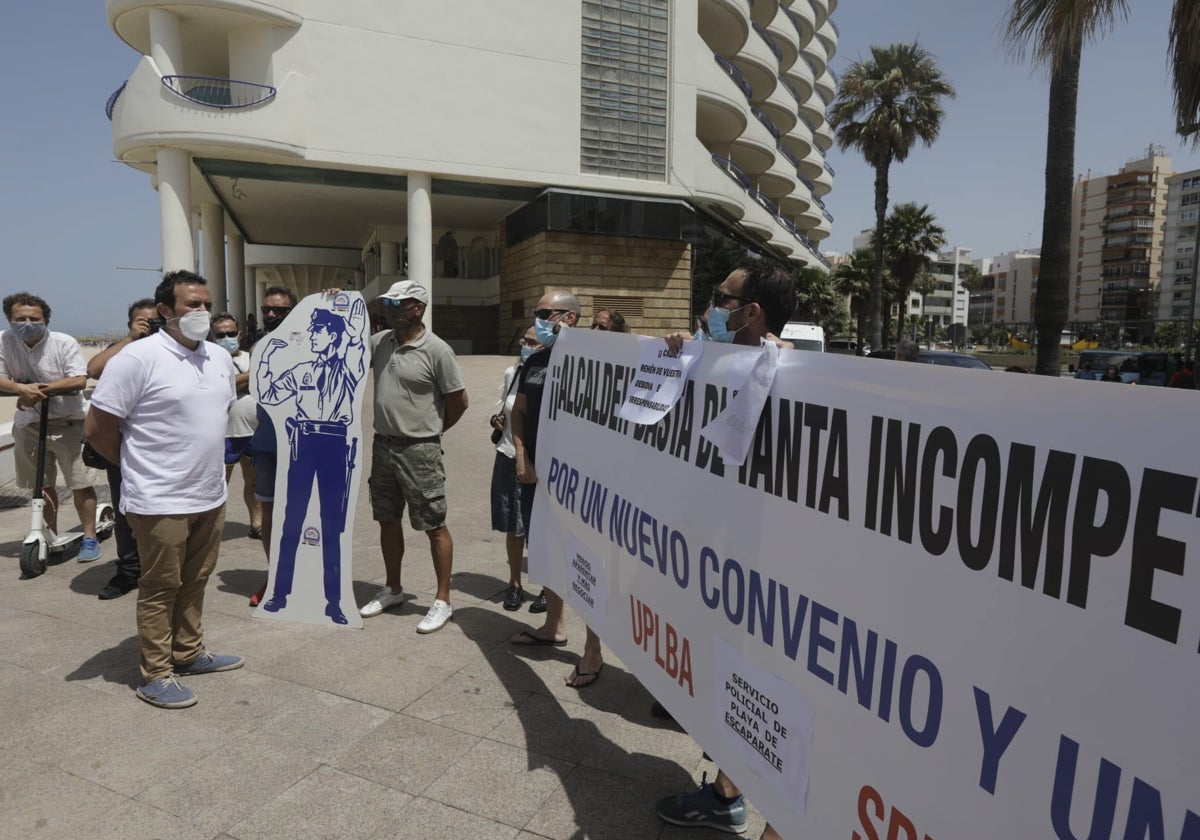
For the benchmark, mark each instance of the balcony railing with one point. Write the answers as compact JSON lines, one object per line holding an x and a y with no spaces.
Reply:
{"x":732,"y":170}
{"x":816,"y":68}
{"x":767,"y":122}
{"x":763,"y":201}
{"x":788,"y":155}
{"x":829,"y":169}
{"x":766,"y":36}
{"x":734,"y":73}
{"x":112,"y":100}
{"x":790,"y":88}
{"x":808,"y":123}
{"x":216,"y":92}
{"x":795,"y":18}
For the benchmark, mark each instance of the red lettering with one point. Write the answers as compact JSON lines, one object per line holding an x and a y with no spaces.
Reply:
{"x":634,"y":615}
{"x":871,"y":807}
{"x":672,"y":651}
{"x":869,"y":796}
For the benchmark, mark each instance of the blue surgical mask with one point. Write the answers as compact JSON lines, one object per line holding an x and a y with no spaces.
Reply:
{"x":718,"y":324}
{"x":230,"y":344}
{"x":526,"y":352}
{"x":29,"y":330}
{"x":545,"y":331}
{"x":701,"y":335}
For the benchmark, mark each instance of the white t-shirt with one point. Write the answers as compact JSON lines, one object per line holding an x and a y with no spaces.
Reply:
{"x":57,"y":356}
{"x":243,"y":417}
{"x":173,"y":403}
{"x":508,"y":398}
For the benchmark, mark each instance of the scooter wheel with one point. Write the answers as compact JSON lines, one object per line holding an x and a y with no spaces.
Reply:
{"x":105,"y":522}
{"x":32,"y":562}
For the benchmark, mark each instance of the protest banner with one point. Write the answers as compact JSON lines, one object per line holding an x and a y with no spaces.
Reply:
{"x":309,"y":375}
{"x":932,"y":603}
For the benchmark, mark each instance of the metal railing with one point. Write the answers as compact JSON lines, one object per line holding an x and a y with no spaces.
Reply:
{"x":217,"y":92}
{"x":788,"y":155}
{"x":734,"y":73}
{"x":813,"y":66}
{"x":112,"y":100}
{"x":768,"y":123}
{"x":732,"y":170}
{"x":763,"y":201}
{"x":795,"y":18}
{"x":770,"y":41}
{"x":790,"y":88}
{"x":829,"y":169}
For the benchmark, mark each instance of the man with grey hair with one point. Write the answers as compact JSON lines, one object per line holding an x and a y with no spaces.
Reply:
{"x":419,"y":394}
{"x":908,"y":351}
{"x":555,"y":310}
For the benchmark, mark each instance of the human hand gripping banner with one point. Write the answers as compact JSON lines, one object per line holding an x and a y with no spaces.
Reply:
{"x":309,"y":374}
{"x":932,"y":603}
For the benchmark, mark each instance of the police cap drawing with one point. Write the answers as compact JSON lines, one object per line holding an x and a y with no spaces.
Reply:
{"x":311,"y":385}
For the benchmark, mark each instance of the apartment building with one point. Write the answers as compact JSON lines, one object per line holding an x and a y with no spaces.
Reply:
{"x":488,"y":150}
{"x":1009,"y":288}
{"x":1116,"y":244}
{"x":1175,"y":298}
{"x":947,"y":304}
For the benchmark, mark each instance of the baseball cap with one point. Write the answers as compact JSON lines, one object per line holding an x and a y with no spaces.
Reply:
{"x":406,"y":289}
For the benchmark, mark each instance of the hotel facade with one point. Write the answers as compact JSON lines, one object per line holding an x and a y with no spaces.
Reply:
{"x":489,"y":149}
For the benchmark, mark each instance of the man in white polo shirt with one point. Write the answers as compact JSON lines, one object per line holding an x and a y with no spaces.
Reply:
{"x":160,"y":412}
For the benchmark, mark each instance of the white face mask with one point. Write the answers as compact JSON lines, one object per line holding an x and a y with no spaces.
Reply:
{"x":195,"y":325}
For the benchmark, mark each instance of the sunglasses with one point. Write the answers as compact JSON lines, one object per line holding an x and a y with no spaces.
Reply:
{"x":279,"y":310}
{"x":720,"y":298}
{"x":601,"y":327}
{"x":233,"y":334}
{"x":547,"y":314}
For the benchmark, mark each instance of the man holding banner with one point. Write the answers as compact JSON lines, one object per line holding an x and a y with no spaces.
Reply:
{"x":749,"y":307}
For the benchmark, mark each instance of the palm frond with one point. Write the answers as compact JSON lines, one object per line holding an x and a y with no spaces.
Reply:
{"x":1050,"y":30}
{"x":1184,"y":60}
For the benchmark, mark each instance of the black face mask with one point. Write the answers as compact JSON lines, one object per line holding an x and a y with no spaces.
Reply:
{"x":270,"y":322}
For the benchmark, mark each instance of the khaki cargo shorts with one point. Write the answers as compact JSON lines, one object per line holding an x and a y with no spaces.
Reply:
{"x":64,"y":452}
{"x":408,"y":473}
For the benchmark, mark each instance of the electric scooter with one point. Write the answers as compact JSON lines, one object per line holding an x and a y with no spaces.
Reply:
{"x":41,"y":541}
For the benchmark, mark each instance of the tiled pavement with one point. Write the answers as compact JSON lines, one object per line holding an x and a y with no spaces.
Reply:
{"x":327,"y":732}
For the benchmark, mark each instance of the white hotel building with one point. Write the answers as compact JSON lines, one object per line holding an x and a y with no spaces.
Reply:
{"x":490,"y":149}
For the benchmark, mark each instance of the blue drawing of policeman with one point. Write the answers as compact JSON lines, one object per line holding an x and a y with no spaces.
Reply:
{"x":318,"y":437}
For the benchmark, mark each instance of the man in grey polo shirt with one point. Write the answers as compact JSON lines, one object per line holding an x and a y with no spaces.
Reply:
{"x":419,"y":394}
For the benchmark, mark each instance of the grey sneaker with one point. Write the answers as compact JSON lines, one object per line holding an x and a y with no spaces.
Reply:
{"x":384,"y":599}
{"x":167,"y":693}
{"x":702,"y":808}
{"x":209,"y":663}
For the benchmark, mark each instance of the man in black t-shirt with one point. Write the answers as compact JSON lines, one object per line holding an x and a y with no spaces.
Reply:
{"x":554,"y":311}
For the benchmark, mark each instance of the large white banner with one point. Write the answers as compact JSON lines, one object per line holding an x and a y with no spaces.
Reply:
{"x":933,"y":602}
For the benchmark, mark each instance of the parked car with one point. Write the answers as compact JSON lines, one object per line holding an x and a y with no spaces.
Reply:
{"x":847,"y":346}
{"x":939,"y":357}
{"x":804,"y":336}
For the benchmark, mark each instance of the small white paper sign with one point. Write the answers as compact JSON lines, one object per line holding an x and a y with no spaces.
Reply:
{"x":766,"y":720}
{"x":733,"y":429}
{"x":587,"y":583}
{"x":659,"y":380}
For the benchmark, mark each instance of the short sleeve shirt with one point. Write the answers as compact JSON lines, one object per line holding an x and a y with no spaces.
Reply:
{"x":243,"y":417}
{"x":411,"y":383}
{"x":57,"y":356}
{"x":173,"y":404}
{"x":532,"y":383}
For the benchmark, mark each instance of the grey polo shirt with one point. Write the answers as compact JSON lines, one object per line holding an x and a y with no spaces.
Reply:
{"x":411,"y":382}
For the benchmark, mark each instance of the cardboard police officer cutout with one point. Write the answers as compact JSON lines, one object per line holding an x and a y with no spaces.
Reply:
{"x":309,"y":375}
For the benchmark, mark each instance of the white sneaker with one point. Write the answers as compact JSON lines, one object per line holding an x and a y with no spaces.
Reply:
{"x":384,"y":599}
{"x":436,"y":618}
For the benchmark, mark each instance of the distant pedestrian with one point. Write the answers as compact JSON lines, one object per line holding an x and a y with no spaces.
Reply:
{"x":46,"y":370}
{"x":243,"y":417}
{"x":1112,"y":375}
{"x":1185,"y":377}
{"x":160,"y":412}
{"x":608,"y":320}
{"x":908,"y":351}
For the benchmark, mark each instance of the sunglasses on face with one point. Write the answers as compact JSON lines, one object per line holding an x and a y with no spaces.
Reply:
{"x":547,"y":314}
{"x":278,"y":310}
{"x":233,"y":334}
{"x":720,"y":299}
{"x":601,"y":327}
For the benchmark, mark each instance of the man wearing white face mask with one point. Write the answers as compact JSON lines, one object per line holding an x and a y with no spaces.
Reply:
{"x":160,"y":412}
{"x":36,"y":365}
{"x":243,"y":417}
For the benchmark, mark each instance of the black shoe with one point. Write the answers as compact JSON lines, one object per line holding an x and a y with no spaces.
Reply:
{"x":539,"y":603}
{"x":276,"y":603}
{"x":255,"y":533}
{"x":333,"y":611}
{"x":118,"y":586}
{"x":514,"y":596}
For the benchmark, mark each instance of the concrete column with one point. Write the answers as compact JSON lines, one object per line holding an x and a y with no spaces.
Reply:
{"x":166,"y":43}
{"x":174,"y":210}
{"x":250,"y":286}
{"x":420,"y":236}
{"x":389,"y":258}
{"x":212,"y":223}
{"x":260,"y":293}
{"x":235,"y":261}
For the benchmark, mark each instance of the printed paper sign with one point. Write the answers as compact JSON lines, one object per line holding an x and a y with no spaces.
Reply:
{"x":309,"y":376}
{"x":588,"y":590}
{"x":659,"y":380}
{"x":733,"y":429}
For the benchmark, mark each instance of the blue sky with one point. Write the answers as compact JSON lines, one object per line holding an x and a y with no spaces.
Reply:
{"x":69,"y":216}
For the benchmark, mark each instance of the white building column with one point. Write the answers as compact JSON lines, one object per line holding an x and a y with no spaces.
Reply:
{"x":420,"y":236}
{"x":212,"y":224}
{"x":389,"y":258}
{"x":260,"y":295}
{"x":235,"y":262}
{"x":166,"y":43}
{"x":252,"y":300}
{"x":174,"y":210}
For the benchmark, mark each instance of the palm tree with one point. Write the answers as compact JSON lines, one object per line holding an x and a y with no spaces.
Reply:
{"x":910,"y":234}
{"x":884,"y":105}
{"x":1185,"y":66}
{"x":852,"y":279}
{"x":1055,"y":31}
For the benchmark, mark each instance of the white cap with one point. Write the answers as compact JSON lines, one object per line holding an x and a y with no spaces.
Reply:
{"x":407,"y":290}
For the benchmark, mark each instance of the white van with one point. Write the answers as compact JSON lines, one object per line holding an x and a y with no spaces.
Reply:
{"x":804,"y":335}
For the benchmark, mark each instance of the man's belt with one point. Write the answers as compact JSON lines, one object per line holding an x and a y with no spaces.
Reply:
{"x":404,"y":440}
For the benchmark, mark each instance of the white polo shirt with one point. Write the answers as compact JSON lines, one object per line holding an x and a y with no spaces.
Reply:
{"x":56,"y":356}
{"x":173,"y":403}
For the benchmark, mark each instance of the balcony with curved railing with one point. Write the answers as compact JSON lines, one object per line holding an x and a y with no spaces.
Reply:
{"x":763,"y":200}
{"x":815,"y":64}
{"x":217,"y":92}
{"x":731,"y":169}
{"x":769,"y":41}
{"x":823,"y":134}
{"x":820,"y":11}
{"x":739,"y":78}
{"x":759,"y":65}
{"x":767,"y":122}
{"x":723,"y":24}
{"x":828,"y":36}
{"x":721,"y":97}
{"x":802,"y":80}
{"x":784,"y":34}
{"x":832,"y":172}
{"x":788,"y":155}
{"x":826,"y":87}
{"x":802,"y":19}
{"x":112,"y":100}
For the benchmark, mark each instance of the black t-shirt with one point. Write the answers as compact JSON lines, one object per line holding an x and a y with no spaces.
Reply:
{"x":531,"y":383}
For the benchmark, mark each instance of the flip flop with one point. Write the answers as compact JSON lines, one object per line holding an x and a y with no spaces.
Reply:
{"x":537,"y":640}
{"x":577,"y":674}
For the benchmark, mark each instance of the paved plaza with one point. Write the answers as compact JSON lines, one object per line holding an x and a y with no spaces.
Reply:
{"x":328,"y":732}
